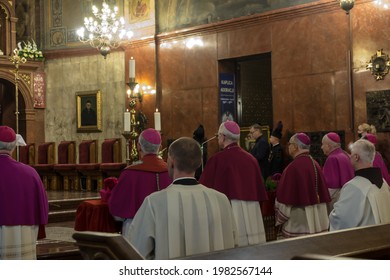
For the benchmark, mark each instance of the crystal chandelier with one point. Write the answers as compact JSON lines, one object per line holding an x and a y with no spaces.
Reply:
{"x":104,"y":30}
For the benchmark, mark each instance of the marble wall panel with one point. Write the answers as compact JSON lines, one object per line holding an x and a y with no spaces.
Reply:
{"x":291,"y":49}
{"x":313,"y":103}
{"x":185,"y":112}
{"x":329,"y":39}
{"x":210,"y":116}
{"x":200,"y":63}
{"x":172,"y":69}
{"x":370,"y":32}
{"x":244,"y":42}
{"x":342,"y":102}
{"x":69,"y":75}
{"x":282,"y":99}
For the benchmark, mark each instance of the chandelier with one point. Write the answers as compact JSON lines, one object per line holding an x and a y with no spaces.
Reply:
{"x":383,"y":4}
{"x":104,"y":30}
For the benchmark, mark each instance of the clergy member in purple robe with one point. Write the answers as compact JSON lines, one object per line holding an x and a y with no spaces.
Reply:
{"x":378,"y":159}
{"x":236,"y":173}
{"x":140,"y":179}
{"x":302,"y":194}
{"x":337,"y":168}
{"x":23,"y":203}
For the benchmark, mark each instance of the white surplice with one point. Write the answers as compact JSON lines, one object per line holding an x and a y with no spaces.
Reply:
{"x":299,"y":221}
{"x":249,"y":221}
{"x":183,"y":220}
{"x":19,"y":242}
{"x":361,"y":203}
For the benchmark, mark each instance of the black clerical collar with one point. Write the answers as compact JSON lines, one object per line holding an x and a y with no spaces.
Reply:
{"x":185,"y":181}
{"x":373,"y":174}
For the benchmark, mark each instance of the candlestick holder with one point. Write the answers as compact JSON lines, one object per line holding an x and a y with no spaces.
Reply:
{"x":126,"y":135}
{"x":131,"y":136}
{"x":132,"y":84}
{"x":16,"y":60}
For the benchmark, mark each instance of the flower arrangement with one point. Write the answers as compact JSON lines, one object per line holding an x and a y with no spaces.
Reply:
{"x":30,"y":50}
{"x":271,"y":182}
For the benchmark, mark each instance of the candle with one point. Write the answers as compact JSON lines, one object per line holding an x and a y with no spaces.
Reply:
{"x":157,"y":120}
{"x":126,"y":121}
{"x":131,"y":68}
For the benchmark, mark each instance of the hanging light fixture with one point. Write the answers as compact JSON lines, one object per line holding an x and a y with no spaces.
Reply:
{"x":382,"y":3}
{"x":104,"y":30}
{"x":347,"y":5}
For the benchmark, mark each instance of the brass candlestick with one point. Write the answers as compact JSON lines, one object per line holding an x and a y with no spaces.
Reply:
{"x":131,"y":137}
{"x":16,"y":60}
{"x":126,"y":134}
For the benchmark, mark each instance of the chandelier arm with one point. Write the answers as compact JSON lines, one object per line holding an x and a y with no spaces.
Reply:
{"x":104,"y":30}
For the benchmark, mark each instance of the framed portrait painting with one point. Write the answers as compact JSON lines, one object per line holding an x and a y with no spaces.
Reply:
{"x":89,"y":111}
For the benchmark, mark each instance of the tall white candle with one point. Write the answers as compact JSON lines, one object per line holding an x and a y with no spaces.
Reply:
{"x":157,"y":120}
{"x":131,"y":68}
{"x":126,"y":121}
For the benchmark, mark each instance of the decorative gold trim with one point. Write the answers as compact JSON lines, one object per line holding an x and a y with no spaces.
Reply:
{"x":379,"y":65}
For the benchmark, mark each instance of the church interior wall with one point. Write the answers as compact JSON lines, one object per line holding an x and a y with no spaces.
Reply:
{"x":309,"y":47}
{"x":65,"y":77}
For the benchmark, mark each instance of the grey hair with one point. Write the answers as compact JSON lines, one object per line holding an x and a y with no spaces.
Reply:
{"x":330,"y":142}
{"x":298,"y":142}
{"x":147,"y":147}
{"x":7,"y":146}
{"x":228,"y":134}
{"x":365,"y":149}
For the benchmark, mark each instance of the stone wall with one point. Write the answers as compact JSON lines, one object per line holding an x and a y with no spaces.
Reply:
{"x":65,"y":77}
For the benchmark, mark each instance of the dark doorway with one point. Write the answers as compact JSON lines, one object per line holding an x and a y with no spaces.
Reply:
{"x":253,"y":88}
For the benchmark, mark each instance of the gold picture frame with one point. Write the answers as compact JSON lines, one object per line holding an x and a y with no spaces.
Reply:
{"x":89,"y":111}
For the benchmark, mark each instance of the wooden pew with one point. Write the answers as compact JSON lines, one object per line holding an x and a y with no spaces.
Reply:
{"x":372,"y":242}
{"x":105,"y":246}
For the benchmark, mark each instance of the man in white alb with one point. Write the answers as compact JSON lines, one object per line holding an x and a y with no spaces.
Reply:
{"x":186,"y":218}
{"x":364,"y":200}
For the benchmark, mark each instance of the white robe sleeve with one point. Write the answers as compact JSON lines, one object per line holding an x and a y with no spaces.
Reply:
{"x":282,"y":213}
{"x":142,"y":231}
{"x":350,"y":209}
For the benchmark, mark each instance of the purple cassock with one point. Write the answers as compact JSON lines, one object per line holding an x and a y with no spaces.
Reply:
{"x":379,"y":162}
{"x":236,"y":173}
{"x":23,"y":199}
{"x":135,"y":183}
{"x":337,"y":169}
{"x":301,"y":184}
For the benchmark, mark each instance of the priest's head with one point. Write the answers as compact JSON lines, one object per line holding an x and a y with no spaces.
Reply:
{"x":330,"y":142}
{"x":228,"y":133}
{"x":362,"y":154}
{"x":149,"y":142}
{"x":184,"y":157}
{"x":299,"y":143}
{"x":7,"y":139}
